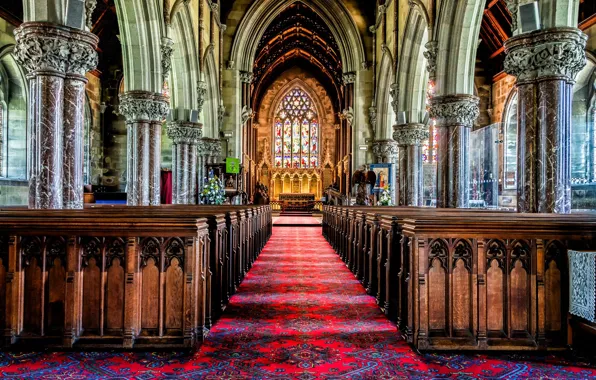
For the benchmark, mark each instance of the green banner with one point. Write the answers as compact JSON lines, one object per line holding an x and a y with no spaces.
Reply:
{"x":232,"y":165}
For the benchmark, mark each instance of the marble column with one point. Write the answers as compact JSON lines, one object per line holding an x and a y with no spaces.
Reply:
{"x":144,"y":112}
{"x":455,"y":116}
{"x":185,"y":137}
{"x":386,"y":151}
{"x":545,"y":63}
{"x":409,"y":138}
{"x":201,"y":162}
{"x":56,"y":59}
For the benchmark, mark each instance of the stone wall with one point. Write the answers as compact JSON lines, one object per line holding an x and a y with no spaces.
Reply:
{"x":502,"y":87}
{"x":95,"y":138}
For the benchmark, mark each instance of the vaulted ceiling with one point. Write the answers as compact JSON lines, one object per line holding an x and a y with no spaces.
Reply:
{"x":297,"y":37}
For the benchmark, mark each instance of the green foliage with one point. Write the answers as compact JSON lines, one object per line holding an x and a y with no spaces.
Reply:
{"x":213,"y":192}
{"x":385,"y":198}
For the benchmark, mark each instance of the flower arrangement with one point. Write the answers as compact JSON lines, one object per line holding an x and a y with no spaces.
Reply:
{"x":213,"y":192}
{"x":385,"y":197}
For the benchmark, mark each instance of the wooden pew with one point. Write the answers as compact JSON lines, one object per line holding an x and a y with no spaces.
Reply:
{"x":104,"y":282}
{"x":383,"y":230}
{"x":231,"y":233}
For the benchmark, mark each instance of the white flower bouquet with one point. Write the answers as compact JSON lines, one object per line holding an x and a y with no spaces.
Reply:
{"x":385,"y":197}
{"x":213,"y":192}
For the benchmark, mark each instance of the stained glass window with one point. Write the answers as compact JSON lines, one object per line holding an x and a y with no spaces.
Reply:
{"x":296,"y":132}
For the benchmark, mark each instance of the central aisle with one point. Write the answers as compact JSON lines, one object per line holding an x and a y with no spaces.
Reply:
{"x":300,"y":313}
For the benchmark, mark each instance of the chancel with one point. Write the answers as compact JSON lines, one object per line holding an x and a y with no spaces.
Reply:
{"x":298,"y":189}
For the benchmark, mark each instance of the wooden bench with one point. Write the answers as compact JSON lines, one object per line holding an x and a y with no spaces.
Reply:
{"x":116,"y":277}
{"x":382,"y":247}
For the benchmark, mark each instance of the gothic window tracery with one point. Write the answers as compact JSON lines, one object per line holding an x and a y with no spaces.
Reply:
{"x":296,"y":132}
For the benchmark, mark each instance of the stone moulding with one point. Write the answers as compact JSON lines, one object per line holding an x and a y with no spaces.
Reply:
{"x":410,"y":134}
{"x":143,"y":106}
{"x":45,"y":47}
{"x":185,"y":132}
{"x":453,"y":110}
{"x":557,"y":53}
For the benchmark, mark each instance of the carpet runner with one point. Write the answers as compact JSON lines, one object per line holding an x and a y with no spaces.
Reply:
{"x":284,"y":220}
{"x":299,"y":314}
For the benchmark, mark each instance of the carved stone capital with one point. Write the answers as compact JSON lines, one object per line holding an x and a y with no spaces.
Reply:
{"x":223,"y":28}
{"x":143,"y":106}
{"x":430,"y":54}
{"x":185,"y":132}
{"x":385,"y":150}
{"x":553,"y":53}
{"x":349,"y":78}
{"x":201,"y":94}
{"x":167,"y":49}
{"x":246,"y":77}
{"x":209,"y":147}
{"x":46,"y":47}
{"x":83,"y":57}
{"x":410,"y":134}
{"x":451,"y":110}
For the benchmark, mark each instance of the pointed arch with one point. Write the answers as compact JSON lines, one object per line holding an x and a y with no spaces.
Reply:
{"x":457,"y":39}
{"x":262,"y":13}
{"x":412,"y":74}
{"x":296,"y":130}
{"x":385,"y":113}
{"x":141,"y":25}
{"x":185,"y":71}
{"x":212,"y":98}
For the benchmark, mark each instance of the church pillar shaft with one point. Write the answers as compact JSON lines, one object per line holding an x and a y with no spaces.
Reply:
{"x":144,"y":112}
{"x":410,"y":137}
{"x":56,"y":58}
{"x":74,"y":119}
{"x":455,"y":116}
{"x":545,"y":64}
{"x":185,"y":137}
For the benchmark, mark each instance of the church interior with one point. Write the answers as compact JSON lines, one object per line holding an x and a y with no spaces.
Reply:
{"x":298,"y":189}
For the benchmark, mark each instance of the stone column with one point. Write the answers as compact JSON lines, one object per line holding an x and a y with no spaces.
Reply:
{"x":185,"y":137}
{"x":56,"y":58}
{"x":455,"y":116}
{"x":409,"y":137}
{"x":386,"y":151}
{"x":545,"y":63}
{"x":144,"y":112}
{"x":201,"y":162}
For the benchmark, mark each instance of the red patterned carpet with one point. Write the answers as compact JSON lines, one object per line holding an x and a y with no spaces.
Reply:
{"x":299,"y":314}
{"x":297,"y":220}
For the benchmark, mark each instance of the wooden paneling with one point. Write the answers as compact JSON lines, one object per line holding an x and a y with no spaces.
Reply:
{"x":108,"y":278}
{"x":466,"y":279}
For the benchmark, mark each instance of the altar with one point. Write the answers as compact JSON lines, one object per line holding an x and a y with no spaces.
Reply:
{"x":297,"y":201}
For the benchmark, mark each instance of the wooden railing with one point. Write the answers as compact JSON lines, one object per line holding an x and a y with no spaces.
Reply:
{"x":464,"y":279}
{"x":123,"y":277}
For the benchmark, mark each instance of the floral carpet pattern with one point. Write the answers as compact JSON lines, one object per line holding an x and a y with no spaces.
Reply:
{"x":299,"y":314}
{"x":290,"y":220}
